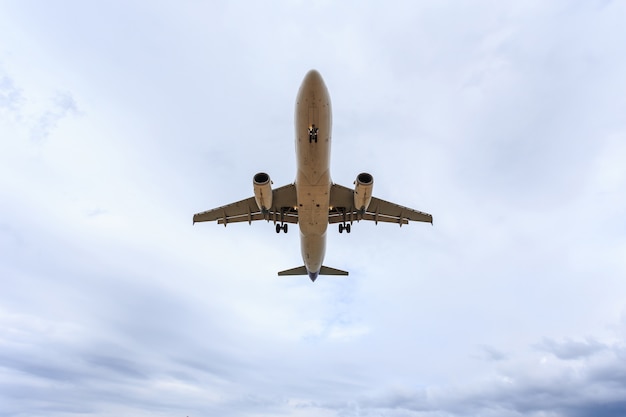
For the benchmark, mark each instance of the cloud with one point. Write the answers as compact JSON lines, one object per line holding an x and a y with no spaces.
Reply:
{"x":490,"y":353}
{"x":32,"y":110}
{"x":596,"y":388}
{"x":62,"y":105}
{"x":10,"y":95}
{"x":504,"y":121}
{"x":568,"y":349}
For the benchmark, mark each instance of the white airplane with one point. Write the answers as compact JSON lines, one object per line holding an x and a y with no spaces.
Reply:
{"x":313,"y":201}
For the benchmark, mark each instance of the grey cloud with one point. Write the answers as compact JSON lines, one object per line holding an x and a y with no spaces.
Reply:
{"x":215,"y":365}
{"x":185,"y":325}
{"x":610,"y":372}
{"x":120,"y":366}
{"x":492,"y":354}
{"x":569,"y":349}
{"x":615,"y":408}
{"x":598,"y":388}
{"x":534,"y":398}
{"x":42,"y":367}
{"x":83,"y":380}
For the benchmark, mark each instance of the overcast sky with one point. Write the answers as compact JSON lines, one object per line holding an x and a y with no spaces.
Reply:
{"x":506,"y":120}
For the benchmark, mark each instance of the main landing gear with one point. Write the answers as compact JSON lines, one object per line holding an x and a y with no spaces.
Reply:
{"x":345,"y":227}
{"x":282,"y":227}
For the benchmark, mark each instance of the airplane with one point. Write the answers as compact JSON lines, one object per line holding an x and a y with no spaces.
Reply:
{"x":313,"y":201}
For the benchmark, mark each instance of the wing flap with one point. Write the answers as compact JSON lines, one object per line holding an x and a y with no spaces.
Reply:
{"x":338,"y":218}
{"x":385,"y":208}
{"x":239,"y":208}
{"x":287,"y":218}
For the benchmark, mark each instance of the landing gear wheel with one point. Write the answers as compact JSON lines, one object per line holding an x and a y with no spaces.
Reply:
{"x":278,"y":228}
{"x":341,"y":228}
{"x":347,"y":227}
{"x":285,"y":228}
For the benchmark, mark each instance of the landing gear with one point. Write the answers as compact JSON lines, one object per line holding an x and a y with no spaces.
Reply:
{"x":343,"y":225}
{"x":313,"y":134}
{"x":282,"y":227}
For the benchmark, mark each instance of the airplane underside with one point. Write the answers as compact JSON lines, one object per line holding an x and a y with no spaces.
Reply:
{"x":313,"y":201}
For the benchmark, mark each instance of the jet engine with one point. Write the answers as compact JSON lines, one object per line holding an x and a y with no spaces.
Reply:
{"x":363,"y":191}
{"x":263,"y":191}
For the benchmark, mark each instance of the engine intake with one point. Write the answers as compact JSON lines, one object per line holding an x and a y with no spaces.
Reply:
{"x":363,"y":191}
{"x":263,"y":191}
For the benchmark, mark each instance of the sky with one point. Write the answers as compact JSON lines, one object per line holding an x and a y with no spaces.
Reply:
{"x":505,"y":120}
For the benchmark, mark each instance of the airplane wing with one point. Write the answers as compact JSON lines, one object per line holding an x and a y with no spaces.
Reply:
{"x":342,"y":209}
{"x":284,"y":201}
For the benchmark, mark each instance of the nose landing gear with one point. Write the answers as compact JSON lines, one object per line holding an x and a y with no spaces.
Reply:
{"x":313,"y":133}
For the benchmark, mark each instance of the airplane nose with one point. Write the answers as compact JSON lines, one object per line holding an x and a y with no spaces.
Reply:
{"x":313,"y":77}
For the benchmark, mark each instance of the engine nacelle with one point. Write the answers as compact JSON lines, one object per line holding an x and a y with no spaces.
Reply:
{"x":263,"y":191}
{"x":363,"y":191}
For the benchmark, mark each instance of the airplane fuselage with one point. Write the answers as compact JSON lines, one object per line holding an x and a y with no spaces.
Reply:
{"x":312,"y":201}
{"x":313,"y":124}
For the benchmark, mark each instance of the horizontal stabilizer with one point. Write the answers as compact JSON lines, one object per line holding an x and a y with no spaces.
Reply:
{"x":301,"y":270}
{"x":325,"y":270}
